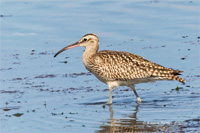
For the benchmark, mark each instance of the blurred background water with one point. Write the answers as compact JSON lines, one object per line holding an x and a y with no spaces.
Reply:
{"x":40,"y":93}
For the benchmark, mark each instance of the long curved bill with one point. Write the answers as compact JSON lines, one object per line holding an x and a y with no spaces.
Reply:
{"x":76,"y":44}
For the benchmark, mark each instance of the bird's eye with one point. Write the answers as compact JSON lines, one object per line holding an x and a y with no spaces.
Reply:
{"x":85,"y":39}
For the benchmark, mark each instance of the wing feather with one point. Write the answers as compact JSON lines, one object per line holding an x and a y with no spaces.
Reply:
{"x":118,"y":65}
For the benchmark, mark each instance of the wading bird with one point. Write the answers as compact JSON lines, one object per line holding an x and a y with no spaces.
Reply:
{"x":118,"y":68}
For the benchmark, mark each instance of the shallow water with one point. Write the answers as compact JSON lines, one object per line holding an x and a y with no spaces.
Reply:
{"x":40,"y":93}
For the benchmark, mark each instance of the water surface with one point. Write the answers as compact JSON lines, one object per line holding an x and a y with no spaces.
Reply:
{"x":42,"y":94}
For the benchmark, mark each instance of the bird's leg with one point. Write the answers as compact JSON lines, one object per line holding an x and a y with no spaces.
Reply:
{"x":138,"y":98}
{"x":110,"y":95}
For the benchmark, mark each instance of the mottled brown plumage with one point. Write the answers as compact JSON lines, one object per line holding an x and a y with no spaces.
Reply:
{"x":118,"y":68}
{"x":118,"y":65}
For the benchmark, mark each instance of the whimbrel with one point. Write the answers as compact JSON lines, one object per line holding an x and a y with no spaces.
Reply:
{"x":118,"y":68}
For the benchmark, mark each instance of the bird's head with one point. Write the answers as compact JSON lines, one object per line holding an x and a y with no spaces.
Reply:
{"x":89,"y":41}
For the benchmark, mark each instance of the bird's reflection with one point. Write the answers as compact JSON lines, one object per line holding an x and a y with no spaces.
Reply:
{"x":130,"y":124}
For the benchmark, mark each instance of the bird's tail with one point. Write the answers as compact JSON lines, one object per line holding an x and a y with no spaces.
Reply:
{"x":175,"y":77}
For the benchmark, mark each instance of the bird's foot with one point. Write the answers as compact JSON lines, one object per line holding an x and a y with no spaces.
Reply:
{"x":139,"y":101}
{"x":109,"y":102}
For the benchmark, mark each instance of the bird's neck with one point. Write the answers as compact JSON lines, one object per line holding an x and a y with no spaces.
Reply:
{"x":88,"y":53}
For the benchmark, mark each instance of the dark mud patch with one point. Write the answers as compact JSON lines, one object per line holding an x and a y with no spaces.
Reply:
{"x":18,"y":114}
{"x":195,"y":93}
{"x":46,"y":76}
{"x":184,"y":36}
{"x":95,"y":103}
{"x":156,"y":103}
{"x":16,"y":56}
{"x":63,"y":62}
{"x":125,"y":90}
{"x":11,"y":92}
{"x":10,"y":108}
{"x":6,"y":16}
{"x":38,"y":86}
{"x":6,"y":109}
{"x":2,"y":69}
{"x":67,"y":90}
{"x":193,"y":123}
{"x":34,"y":52}
{"x":49,"y":90}
{"x":153,"y":47}
{"x":45,"y":53}
{"x":54,"y":114}
{"x":183,"y":58}
{"x":75,"y":75}
{"x":17,"y":79}
{"x":16,"y":63}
